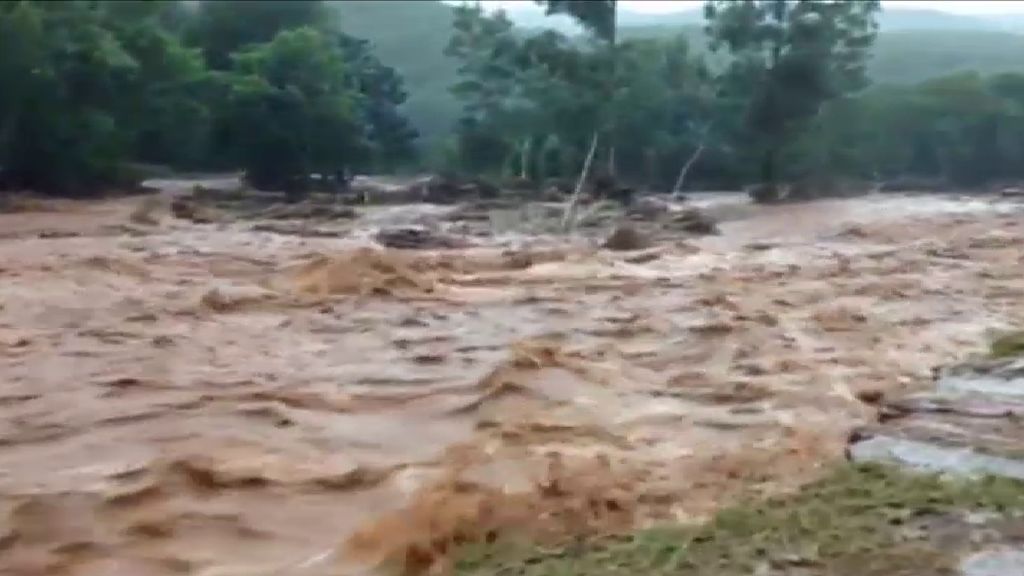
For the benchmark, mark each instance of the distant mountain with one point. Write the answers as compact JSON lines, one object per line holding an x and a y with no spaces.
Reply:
{"x":921,"y":19}
{"x":411,"y":36}
{"x":528,"y":14}
{"x":913,"y":45}
{"x":915,"y":55}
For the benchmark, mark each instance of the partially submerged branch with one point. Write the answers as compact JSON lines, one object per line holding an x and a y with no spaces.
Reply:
{"x":686,"y":168}
{"x":569,"y":219}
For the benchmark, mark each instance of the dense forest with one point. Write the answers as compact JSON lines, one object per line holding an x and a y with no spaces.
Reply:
{"x":811,"y":94}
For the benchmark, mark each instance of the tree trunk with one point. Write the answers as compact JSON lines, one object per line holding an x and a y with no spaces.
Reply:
{"x":686,"y":168}
{"x":768,"y":188}
{"x":524,"y":159}
{"x":612,"y":92}
{"x":569,"y":218}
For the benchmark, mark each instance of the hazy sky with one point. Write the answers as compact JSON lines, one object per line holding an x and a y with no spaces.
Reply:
{"x":979,"y":7}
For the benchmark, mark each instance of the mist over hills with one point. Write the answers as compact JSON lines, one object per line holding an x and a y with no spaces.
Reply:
{"x":913,"y":45}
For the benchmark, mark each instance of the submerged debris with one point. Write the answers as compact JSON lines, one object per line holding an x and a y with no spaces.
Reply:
{"x":693,"y":221}
{"x":418,"y":238}
{"x":627,"y":237}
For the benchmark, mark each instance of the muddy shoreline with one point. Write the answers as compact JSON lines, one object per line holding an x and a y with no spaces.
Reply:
{"x":338,"y":404}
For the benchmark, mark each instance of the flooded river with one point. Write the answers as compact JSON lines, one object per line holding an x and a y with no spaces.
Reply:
{"x":206,"y":399}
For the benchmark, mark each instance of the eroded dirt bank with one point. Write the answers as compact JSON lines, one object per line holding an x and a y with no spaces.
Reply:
{"x":208,"y":399}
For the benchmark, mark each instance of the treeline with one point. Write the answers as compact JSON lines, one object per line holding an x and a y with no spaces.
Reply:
{"x":94,"y":89}
{"x":95,"y":92}
{"x":783,"y":102}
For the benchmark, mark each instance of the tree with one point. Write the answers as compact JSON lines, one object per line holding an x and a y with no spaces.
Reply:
{"x":788,"y":59}
{"x":62,"y":71}
{"x":490,"y":86}
{"x":292,"y":112}
{"x":165,"y":106}
{"x":662,"y":109}
{"x":599,"y":17}
{"x":382,"y":91}
{"x":221,"y":28}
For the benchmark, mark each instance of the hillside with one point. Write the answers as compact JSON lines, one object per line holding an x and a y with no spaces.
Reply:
{"x":411,"y":36}
{"x":915,"y":55}
{"x":914,"y":45}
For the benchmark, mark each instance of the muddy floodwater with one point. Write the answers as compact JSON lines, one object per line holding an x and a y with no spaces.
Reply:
{"x":207,"y":399}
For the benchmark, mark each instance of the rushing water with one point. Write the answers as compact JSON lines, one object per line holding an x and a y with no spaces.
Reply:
{"x":329,"y":408}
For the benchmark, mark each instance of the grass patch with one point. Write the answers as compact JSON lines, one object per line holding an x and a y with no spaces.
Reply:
{"x":1008,"y":345}
{"x":860,"y":521}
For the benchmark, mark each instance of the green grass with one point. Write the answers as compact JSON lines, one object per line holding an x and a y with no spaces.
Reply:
{"x":1007,"y":345}
{"x":854,"y":523}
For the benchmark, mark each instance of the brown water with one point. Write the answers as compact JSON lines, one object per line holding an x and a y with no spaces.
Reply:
{"x":208,"y":400}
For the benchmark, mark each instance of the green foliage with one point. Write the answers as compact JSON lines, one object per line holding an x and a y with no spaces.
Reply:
{"x":962,"y":129}
{"x":389,"y":134}
{"x":284,"y":88}
{"x":62,"y":72}
{"x":291,"y":111}
{"x":93,"y":86}
{"x":222,"y":28}
{"x":787,"y":59}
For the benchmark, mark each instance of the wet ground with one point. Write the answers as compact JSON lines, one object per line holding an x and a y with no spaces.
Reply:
{"x":206,"y":399}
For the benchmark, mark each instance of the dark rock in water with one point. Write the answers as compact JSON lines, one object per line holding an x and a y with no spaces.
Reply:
{"x":183,"y":208}
{"x":870,"y":396}
{"x":607,"y":187}
{"x":627,"y":237}
{"x":417,"y":238}
{"x":188,"y":209}
{"x":553,"y":194}
{"x":447,"y":189}
{"x":623,"y":195}
{"x":763,"y":193}
{"x":648,"y":208}
{"x":693,"y":221}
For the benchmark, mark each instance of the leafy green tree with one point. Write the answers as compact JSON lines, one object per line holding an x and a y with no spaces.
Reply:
{"x":221,"y":28}
{"x":599,"y":17}
{"x":165,"y":106}
{"x":292,"y":112}
{"x":662,"y":109}
{"x":62,"y":71}
{"x":390,"y":135}
{"x":489,"y":86}
{"x":788,"y":59}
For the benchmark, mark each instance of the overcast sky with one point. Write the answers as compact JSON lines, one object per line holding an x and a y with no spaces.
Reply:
{"x":979,"y":7}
